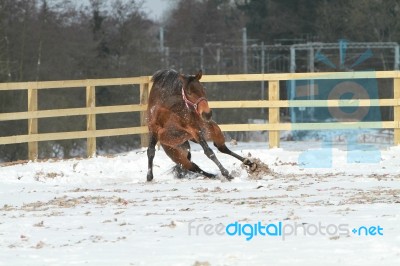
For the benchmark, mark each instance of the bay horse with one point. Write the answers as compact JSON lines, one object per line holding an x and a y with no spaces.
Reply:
{"x":177,"y":112}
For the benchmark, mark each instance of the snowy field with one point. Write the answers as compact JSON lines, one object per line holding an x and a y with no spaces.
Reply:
{"x":100,"y":211}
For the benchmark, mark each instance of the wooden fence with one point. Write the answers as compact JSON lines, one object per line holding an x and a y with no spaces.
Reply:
{"x":273,"y":126}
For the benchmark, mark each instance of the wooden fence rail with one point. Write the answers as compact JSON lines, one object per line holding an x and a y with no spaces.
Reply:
{"x":273,"y":126}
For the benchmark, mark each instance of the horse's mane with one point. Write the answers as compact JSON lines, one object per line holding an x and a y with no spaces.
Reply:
{"x":167,"y":80}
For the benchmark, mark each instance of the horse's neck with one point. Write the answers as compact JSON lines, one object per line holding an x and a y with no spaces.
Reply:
{"x":170,"y":100}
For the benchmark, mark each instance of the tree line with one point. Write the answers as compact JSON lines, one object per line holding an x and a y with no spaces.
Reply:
{"x":50,"y":40}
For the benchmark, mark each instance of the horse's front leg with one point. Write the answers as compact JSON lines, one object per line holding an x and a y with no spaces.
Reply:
{"x":210,"y":154}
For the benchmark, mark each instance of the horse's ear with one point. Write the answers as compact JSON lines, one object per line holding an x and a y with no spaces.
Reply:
{"x":198,"y":75}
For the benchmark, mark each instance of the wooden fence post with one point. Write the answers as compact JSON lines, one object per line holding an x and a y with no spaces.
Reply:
{"x":91,"y":120}
{"x":396,"y":111}
{"x":273,"y":113}
{"x":32,"y":123}
{"x":144,"y":97}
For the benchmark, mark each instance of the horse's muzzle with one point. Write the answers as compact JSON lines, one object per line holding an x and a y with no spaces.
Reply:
{"x":206,"y":116}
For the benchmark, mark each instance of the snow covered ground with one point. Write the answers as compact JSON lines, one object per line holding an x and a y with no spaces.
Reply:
{"x":100,"y":211}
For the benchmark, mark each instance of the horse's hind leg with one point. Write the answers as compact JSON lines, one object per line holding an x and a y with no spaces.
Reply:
{"x":219,"y":142}
{"x":222,"y":148}
{"x":151,"y":151}
{"x":181,"y":156}
{"x":186,"y":146}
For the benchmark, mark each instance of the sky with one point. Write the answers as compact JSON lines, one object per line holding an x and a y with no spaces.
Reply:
{"x":155,"y":8}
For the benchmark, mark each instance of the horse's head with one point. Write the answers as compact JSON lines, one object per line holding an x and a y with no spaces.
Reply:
{"x":194,"y":95}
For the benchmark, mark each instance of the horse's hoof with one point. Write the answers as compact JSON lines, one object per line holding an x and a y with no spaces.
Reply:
{"x":208,"y":175}
{"x":229,"y":177}
{"x":149,"y":178}
{"x":250,"y":164}
{"x":225,"y":173}
{"x":212,"y":176}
